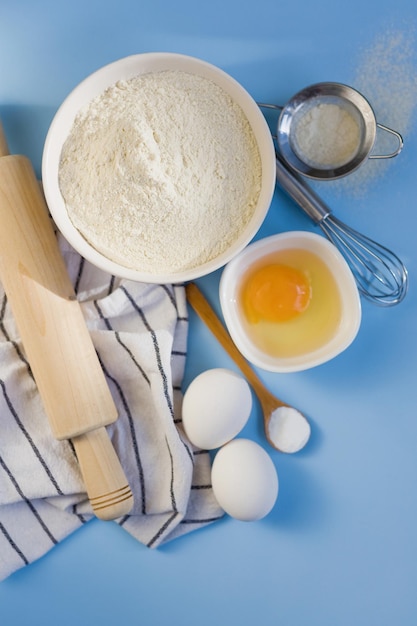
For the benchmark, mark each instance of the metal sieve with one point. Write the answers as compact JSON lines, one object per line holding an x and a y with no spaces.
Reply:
{"x":355,"y":108}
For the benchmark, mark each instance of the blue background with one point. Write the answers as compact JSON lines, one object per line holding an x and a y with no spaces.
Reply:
{"x":340,"y":547}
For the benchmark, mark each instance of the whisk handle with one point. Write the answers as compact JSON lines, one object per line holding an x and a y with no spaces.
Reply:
{"x":300,"y":192}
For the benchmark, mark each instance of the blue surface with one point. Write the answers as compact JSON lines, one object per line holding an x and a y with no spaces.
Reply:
{"x":340,"y":547}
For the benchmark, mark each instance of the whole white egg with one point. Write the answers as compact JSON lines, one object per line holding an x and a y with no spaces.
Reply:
{"x":244,"y":480}
{"x":216,"y":406}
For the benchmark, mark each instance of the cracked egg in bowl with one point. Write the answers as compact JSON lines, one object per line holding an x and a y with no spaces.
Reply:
{"x":290,"y":302}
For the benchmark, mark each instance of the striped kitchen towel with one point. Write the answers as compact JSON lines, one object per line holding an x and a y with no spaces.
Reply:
{"x":140,"y":333}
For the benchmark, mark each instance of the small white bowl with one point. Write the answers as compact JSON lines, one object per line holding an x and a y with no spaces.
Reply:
{"x":350,"y":318}
{"x":125,"y":69}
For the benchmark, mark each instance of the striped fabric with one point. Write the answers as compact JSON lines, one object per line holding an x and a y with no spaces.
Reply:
{"x":140,"y":334}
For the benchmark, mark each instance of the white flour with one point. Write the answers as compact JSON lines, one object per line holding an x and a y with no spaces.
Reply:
{"x":327,"y":135}
{"x":161,"y":172}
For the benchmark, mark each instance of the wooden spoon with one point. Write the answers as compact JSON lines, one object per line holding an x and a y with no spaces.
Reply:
{"x":286,"y":429}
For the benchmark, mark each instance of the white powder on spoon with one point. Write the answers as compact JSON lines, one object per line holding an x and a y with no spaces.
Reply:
{"x":288,"y":430}
{"x":161,"y":172}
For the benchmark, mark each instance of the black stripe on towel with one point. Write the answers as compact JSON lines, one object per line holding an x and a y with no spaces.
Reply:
{"x":27,"y":501}
{"x":203,"y":520}
{"x":162,"y":530}
{"x":79,"y":274}
{"x":173,"y":500}
{"x":171,"y":296}
{"x":13,"y":544}
{"x":79,"y":277}
{"x":111,"y":284}
{"x":123,"y":345}
{"x":198,"y":487}
{"x":156,"y":348}
{"x":132,"y":357}
{"x":29,"y":439}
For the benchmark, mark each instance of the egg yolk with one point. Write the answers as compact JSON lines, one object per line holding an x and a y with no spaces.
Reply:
{"x":276,"y":293}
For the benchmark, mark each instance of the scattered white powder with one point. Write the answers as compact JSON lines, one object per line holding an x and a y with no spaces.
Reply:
{"x":288,"y":429}
{"x":161,"y":172}
{"x":327,"y":135}
{"x":385,"y":74}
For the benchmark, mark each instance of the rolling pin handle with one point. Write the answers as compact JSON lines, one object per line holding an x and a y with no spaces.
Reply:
{"x":105,"y":482}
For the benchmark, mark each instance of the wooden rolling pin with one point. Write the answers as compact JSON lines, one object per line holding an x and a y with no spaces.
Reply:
{"x":58,"y":345}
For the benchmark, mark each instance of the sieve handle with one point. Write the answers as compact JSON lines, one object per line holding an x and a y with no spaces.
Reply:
{"x":292,"y":183}
{"x":399,"y":146}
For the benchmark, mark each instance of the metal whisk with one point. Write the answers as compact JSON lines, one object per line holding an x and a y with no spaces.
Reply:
{"x":380,"y":275}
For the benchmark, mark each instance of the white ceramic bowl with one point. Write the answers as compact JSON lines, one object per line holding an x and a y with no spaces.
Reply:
{"x":124,"y":69}
{"x":350,"y":301}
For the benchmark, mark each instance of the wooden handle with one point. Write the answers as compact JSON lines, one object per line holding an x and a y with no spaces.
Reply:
{"x":54,"y":334}
{"x":209,"y":317}
{"x":106,"y":484}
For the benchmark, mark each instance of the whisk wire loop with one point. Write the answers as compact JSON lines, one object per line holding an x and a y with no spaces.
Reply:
{"x":380,"y":275}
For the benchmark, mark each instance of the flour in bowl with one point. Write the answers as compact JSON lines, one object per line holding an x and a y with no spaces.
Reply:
{"x":161,"y":172}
